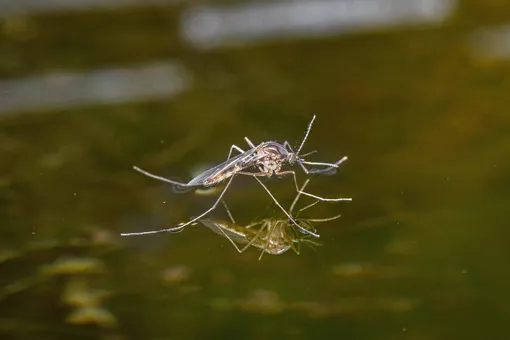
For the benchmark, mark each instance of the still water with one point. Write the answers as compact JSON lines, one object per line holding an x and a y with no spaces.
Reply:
{"x":420,"y":108}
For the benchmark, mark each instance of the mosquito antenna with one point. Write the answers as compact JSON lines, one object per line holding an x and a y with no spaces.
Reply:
{"x":306,"y":135}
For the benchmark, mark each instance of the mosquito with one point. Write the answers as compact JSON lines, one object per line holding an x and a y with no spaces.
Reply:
{"x":274,"y":236}
{"x":268,"y":157}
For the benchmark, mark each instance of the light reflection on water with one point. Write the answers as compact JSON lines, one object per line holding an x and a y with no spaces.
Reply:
{"x":426,"y":128}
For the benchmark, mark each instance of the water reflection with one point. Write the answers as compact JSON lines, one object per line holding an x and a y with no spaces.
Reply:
{"x":272,"y":235}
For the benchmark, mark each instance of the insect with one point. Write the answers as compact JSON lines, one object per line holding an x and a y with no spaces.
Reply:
{"x":268,"y":157}
{"x":273,"y":236}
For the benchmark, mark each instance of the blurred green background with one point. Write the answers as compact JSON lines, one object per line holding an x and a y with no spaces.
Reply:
{"x":421,"y":110}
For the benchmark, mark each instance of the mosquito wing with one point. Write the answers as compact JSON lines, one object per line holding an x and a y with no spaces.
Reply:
{"x":220,"y":172}
{"x":227,"y":229}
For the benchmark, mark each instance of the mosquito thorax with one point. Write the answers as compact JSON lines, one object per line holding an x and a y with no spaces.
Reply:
{"x":271,"y":156}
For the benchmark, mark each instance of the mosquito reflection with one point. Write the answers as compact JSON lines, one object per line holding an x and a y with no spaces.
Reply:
{"x":272,"y":236}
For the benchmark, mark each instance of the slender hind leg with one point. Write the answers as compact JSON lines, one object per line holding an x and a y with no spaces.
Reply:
{"x":159,"y":178}
{"x":181,"y":226}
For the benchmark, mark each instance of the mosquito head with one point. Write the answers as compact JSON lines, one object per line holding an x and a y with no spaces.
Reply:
{"x":293,"y":158}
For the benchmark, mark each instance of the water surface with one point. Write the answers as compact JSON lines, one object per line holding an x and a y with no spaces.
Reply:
{"x":420,"y":253}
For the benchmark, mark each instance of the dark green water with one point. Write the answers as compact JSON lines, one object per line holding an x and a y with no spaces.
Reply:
{"x":420,"y":253}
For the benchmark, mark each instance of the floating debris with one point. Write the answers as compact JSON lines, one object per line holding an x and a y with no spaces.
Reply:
{"x":176,"y":274}
{"x":401,"y":246}
{"x":92,"y":316}
{"x":74,"y":266}
{"x":7,"y":255}
{"x":78,"y":294}
{"x":264,"y":301}
{"x":491,"y":43}
{"x":19,"y":286}
{"x":355,"y":269}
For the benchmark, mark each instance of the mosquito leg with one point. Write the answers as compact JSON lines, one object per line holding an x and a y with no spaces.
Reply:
{"x":297,"y":250}
{"x":253,"y":224}
{"x":309,"y":206}
{"x":257,"y":235}
{"x":288,"y":146}
{"x":331,"y":167}
{"x":249,"y":142}
{"x":289,"y":235}
{"x":270,"y":230}
{"x":228,"y":212}
{"x":272,"y":227}
{"x":232,"y":148}
{"x":255,"y":175}
{"x":294,"y":240}
{"x":298,"y":196}
{"x":303,"y":167}
{"x":231,"y":241}
{"x":148,"y":174}
{"x":323,"y":219}
{"x":181,"y":226}
{"x":243,"y":249}
{"x":178,"y":187}
{"x":308,"y":194}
